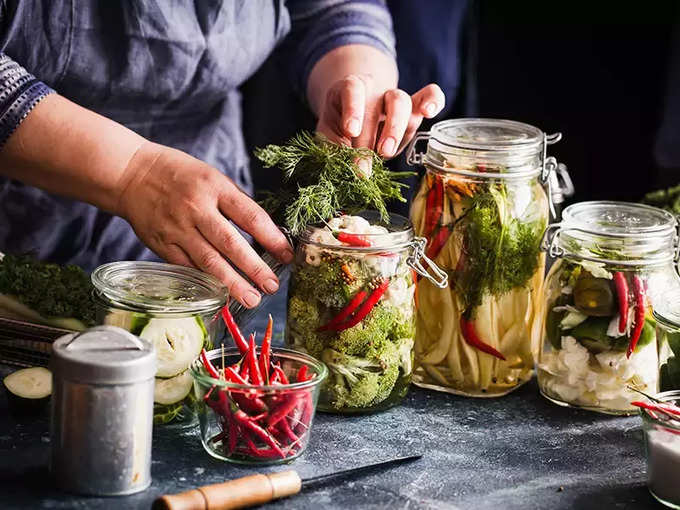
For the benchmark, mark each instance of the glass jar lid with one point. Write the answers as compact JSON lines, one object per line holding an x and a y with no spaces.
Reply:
{"x":617,"y":232}
{"x":485,"y":148}
{"x":158,"y":287}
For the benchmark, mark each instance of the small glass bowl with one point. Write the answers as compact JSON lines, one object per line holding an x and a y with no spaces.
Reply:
{"x":662,"y":444}
{"x":257,"y":425}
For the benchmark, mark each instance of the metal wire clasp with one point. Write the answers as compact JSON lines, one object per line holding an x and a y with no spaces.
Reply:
{"x":550,"y":239}
{"x":439,"y":277}
{"x":413,"y":157}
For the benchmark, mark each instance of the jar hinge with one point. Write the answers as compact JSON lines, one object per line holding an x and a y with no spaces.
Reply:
{"x":439,"y":277}
{"x":413,"y":157}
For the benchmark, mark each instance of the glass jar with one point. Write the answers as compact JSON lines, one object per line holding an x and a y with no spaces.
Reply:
{"x":482,"y":206}
{"x":667,"y":316}
{"x":614,"y":262}
{"x":662,"y":445}
{"x":176,"y":309}
{"x":352,"y":307}
{"x":222,"y":404}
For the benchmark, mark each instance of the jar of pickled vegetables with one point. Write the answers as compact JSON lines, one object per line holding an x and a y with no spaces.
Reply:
{"x":482,"y":207}
{"x":351,"y":305}
{"x":176,"y":309}
{"x":614,"y":262}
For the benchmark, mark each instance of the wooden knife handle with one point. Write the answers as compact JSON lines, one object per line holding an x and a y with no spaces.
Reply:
{"x":240,"y":493}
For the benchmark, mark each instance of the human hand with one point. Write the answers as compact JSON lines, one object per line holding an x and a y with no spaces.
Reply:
{"x":180,"y":207}
{"x":358,"y":113}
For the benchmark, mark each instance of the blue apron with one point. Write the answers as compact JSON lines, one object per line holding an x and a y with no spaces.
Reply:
{"x":169,"y":70}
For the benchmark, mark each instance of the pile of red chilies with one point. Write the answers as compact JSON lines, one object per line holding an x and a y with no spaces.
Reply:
{"x":258,"y":424}
{"x":621,"y":284}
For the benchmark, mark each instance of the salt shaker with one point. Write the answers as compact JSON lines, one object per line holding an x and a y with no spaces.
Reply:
{"x":102,"y":408}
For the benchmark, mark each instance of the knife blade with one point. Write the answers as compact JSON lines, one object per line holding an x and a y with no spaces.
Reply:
{"x":259,"y":489}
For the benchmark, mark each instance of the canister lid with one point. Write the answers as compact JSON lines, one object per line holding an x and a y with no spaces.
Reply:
{"x":159,"y":288}
{"x":103,"y":355}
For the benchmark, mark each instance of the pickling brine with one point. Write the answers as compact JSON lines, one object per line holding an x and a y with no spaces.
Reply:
{"x":483,"y":209}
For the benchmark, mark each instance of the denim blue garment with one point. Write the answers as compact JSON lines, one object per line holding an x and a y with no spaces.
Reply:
{"x":169,"y":70}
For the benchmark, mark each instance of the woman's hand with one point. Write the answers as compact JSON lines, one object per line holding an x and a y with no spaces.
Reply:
{"x":181,"y":208}
{"x":361,"y":113}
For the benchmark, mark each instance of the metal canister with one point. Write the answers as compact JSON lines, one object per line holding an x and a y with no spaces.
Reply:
{"x":102,"y":409}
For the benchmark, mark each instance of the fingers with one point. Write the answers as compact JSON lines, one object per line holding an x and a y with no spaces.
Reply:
{"x":353,"y":104}
{"x":206,"y":258}
{"x":219,"y":232}
{"x":243,"y":211}
{"x":428,"y":101}
{"x":397,"y":104}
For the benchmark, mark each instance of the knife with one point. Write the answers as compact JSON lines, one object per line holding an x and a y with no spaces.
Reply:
{"x":259,"y":489}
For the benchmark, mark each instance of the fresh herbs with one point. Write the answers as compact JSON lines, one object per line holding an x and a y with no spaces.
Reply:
{"x":501,"y":252}
{"x":51,"y":290}
{"x":668,"y":199}
{"x":321,"y":179}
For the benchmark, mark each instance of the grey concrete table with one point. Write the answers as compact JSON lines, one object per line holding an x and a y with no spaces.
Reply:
{"x":518,"y":452}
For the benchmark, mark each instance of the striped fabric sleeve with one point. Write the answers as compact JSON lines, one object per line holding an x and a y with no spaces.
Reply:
{"x":20,"y":91}
{"x":319,"y":26}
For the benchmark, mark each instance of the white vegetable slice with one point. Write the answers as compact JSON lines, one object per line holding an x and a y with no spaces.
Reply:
{"x":30,"y":383}
{"x":177,"y":341}
{"x":171,"y":391}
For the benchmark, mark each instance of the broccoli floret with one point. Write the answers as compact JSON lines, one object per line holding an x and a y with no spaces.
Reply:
{"x":303,"y":321}
{"x":374,"y":329}
{"x":404,"y":327}
{"x":362,"y":381}
{"x":325,"y":282}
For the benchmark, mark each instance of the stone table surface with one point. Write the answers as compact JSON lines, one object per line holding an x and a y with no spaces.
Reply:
{"x":517,"y":452}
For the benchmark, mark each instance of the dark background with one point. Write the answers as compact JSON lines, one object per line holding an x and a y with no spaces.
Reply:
{"x":598,"y":72}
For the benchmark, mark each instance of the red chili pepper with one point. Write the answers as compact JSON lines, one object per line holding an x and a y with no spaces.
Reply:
{"x":233,"y":376}
{"x":622,"y":294}
{"x":352,"y":239}
{"x":281,"y":374}
{"x":245,"y":371}
{"x":467,"y":327}
{"x":233,"y":433}
{"x":667,"y":409}
{"x":285,"y":429}
{"x":282,"y":410}
{"x":345,"y":312}
{"x":639,"y":291}
{"x":365,"y":308}
{"x":209,"y":367}
{"x":430,"y":219}
{"x":438,"y":242}
{"x":305,"y":418}
{"x":303,"y":374}
{"x":236,"y":334}
{"x":245,"y":423}
{"x":266,"y":350}
{"x":253,"y":367}
{"x":434,"y":205}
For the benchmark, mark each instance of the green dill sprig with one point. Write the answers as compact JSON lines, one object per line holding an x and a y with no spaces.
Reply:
{"x":321,"y":179}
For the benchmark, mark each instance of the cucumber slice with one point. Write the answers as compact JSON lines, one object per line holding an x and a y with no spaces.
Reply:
{"x":30,"y":383}
{"x":173,"y":390}
{"x":178,"y":343}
